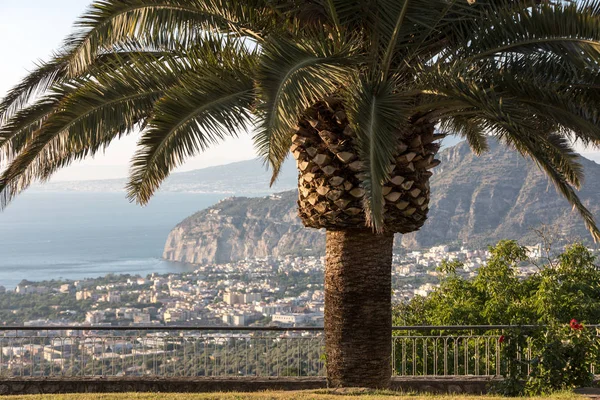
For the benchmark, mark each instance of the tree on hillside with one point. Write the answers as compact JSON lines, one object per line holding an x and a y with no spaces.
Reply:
{"x":354,"y":88}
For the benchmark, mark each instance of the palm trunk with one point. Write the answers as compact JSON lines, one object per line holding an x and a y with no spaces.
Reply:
{"x":358,"y":315}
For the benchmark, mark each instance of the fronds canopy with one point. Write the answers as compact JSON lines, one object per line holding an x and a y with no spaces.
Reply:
{"x":188,"y":73}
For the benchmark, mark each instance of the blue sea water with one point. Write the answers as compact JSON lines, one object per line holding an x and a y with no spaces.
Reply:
{"x":72,"y":235}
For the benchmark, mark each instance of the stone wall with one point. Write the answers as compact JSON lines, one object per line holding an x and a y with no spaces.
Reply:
{"x":440,"y":385}
{"x":19,"y":386}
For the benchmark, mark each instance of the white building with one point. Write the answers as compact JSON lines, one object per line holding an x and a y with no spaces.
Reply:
{"x":291,"y":318}
{"x":439,"y":249}
{"x":251,"y":297}
{"x":110,"y":297}
{"x":65,"y":288}
{"x":83,"y":294}
{"x":26,"y":289}
{"x":235,"y":319}
{"x":94,"y":317}
{"x":271,"y":309}
{"x":233,"y":298}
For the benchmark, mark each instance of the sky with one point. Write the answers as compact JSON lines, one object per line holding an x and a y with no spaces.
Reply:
{"x":30,"y":30}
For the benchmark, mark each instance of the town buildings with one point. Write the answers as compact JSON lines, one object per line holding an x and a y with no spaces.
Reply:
{"x":286,"y":291}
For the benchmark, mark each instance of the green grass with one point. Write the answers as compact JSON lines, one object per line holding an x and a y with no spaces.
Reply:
{"x":299,"y":395}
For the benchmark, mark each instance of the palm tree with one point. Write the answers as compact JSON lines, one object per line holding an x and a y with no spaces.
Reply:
{"x":354,"y":88}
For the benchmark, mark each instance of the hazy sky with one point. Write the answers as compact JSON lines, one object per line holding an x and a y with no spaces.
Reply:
{"x":29,"y":31}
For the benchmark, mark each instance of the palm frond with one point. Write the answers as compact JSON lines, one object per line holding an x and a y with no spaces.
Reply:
{"x":391,"y":46}
{"x":19,"y":130}
{"x":112,"y":26}
{"x":54,"y":72}
{"x":380,"y":118}
{"x":558,"y":28}
{"x":552,"y":110}
{"x":291,"y":78}
{"x":332,"y":11}
{"x":38,"y":81}
{"x":87,"y":115}
{"x":532,"y":135}
{"x":156,"y":23}
{"x":469,"y":128}
{"x":199,"y":111}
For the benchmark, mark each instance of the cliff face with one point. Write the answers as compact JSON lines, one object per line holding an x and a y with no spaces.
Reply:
{"x":479,"y":200}
{"x":475,"y":201}
{"x":241,"y":227}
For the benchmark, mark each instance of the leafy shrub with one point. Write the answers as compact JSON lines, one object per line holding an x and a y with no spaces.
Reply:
{"x":561,"y":360}
{"x":557,"y":355}
{"x":561,"y":356}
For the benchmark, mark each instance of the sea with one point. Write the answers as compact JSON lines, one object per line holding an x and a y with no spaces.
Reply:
{"x":77,"y":235}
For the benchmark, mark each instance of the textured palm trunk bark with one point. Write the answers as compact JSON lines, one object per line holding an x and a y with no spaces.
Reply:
{"x":358,"y":314}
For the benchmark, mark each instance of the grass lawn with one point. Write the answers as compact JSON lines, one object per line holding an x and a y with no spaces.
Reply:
{"x":300,"y":395}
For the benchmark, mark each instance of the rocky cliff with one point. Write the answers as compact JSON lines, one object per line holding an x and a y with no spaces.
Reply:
{"x":241,"y":227}
{"x":479,"y":200}
{"x":475,"y":201}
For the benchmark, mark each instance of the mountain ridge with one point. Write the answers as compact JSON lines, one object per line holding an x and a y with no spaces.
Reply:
{"x":248,"y":177}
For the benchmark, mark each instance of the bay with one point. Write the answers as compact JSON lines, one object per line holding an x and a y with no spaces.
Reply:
{"x":74,"y":235}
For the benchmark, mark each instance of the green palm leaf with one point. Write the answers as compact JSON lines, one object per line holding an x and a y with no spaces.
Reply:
{"x":547,"y":164}
{"x":39,"y":81}
{"x":380,"y":117}
{"x":156,"y":22}
{"x":191,"y":116}
{"x":470,"y":128}
{"x":291,"y":78}
{"x":560,"y":29}
{"x":86,"y":116}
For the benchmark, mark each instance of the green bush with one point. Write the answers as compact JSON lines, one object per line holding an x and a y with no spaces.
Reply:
{"x":560,"y":359}
{"x":556,"y":356}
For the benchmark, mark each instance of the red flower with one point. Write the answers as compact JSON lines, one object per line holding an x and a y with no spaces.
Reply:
{"x":575,"y":325}
{"x":573,"y":322}
{"x":501,"y":339}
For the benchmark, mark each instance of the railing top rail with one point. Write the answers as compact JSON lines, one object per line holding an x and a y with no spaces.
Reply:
{"x":463,"y":327}
{"x":158,"y":328}
{"x":259,"y":329}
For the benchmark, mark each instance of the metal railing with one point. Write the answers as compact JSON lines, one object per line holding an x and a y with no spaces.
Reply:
{"x":160,"y":351}
{"x":183,"y":351}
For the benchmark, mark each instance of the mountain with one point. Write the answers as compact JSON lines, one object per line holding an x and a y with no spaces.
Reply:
{"x":479,"y":200}
{"x":476,"y":200}
{"x":248,"y":177}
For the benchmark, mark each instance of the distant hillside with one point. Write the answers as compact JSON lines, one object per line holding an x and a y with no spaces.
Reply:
{"x":475,"y":201}
{"x":248,"y":177}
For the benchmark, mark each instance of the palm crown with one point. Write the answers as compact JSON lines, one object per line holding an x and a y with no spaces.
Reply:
{"x":188,"y":73}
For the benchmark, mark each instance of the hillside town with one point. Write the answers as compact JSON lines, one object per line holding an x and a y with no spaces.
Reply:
{"x":258,"y":292}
